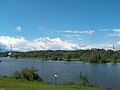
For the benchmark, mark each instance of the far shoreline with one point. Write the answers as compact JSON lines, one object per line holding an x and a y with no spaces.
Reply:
{"x":90,"y":55}
{"x":72,"y":60}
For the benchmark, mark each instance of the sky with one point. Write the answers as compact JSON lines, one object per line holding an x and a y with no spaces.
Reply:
{"x":59,"y":24}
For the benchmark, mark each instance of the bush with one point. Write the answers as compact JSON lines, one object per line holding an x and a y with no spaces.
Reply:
{"x":60,"y":59}
{"x":55,"y":58}
{"x":27,"y":73}
{"x":84,"y":79}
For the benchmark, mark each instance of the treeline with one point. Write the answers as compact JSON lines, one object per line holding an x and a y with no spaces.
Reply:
{"x":93,"y":55}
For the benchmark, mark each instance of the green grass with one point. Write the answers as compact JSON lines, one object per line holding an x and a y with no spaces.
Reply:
{"x":13,"y":84}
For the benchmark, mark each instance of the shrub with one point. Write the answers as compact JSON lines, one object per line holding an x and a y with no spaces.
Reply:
{"x":55,"y":58}
{"x":27,"y":73}
{"x":84,"y":79}
{"x":60,"y":59}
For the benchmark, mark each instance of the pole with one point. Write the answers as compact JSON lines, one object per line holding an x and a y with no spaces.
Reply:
{"x":113,"y":47}
{"x":55,"y":79}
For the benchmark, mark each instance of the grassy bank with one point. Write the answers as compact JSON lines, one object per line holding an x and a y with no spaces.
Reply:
{"x":13,"y":84}
{"x":72,"y":59}
{"x":35,"y":58}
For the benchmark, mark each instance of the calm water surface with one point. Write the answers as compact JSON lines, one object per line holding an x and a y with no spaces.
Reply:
{"x":103,"y":75}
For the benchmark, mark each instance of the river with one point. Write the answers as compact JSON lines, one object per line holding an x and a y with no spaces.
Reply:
{"x":103,"y":75}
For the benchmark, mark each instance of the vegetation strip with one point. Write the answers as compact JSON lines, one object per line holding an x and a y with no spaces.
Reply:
{"x":92,"y":56}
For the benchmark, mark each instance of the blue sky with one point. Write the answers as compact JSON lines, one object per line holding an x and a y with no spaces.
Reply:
{"x":75,"y":21}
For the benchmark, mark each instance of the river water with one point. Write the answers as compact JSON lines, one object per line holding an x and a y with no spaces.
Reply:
{"x":103,"y":75}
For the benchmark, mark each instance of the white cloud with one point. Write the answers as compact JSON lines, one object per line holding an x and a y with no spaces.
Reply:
{"x":117,"y":46}
{"x":72,"y":31}
{"x":21,"y":44}
{"x":89,"y":32}
{"x":104,"y":30}
{"x":97,"y":46}
{"x":18,"y":28}
{"x":113,"y":30}
{"x":116,"y":30}
{"x":115,"y":35}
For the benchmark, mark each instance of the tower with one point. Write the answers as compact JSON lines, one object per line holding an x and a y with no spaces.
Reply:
{"x":113,"y":47}
{"x":10,"y":52}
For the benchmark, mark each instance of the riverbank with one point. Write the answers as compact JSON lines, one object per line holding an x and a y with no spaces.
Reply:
{"x":72,"y":59}
{"x":13,"y":84}
{"x":92,"y":55}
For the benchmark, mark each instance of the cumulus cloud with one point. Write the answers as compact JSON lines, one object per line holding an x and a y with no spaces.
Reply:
{"x":18,"y":28}
{"x":21,"y":44}
{"x":117,"y":46}
{"x":96,"y":46}
{"x":18,"y":43}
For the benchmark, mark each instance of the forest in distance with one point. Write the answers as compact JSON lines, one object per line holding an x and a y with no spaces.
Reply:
{"x":90,"y":55}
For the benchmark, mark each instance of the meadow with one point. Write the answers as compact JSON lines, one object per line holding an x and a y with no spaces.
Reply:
{"x":13,"y":84}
